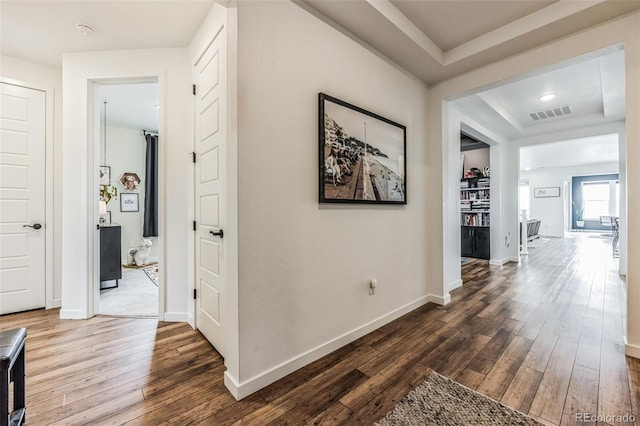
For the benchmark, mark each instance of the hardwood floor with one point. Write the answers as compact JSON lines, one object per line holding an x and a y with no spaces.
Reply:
{"x":545,"y":337}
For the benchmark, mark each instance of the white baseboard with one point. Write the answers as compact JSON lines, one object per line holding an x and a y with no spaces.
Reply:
{"x":72,"y":314}
{"x":176,"y":317}
{"x":191,"y":321}
{"x":498,"y":262}
{"x":243,"y":389}
{"x":55,"y":303}
{"x":514,"y":259}
{"x":455,"y":284}
{"x":439,"y":300}
{"x":232,"y":384}
{"x":631,"y":350}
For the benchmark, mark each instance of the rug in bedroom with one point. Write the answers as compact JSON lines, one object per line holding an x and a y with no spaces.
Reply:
{"x":135,"y":296}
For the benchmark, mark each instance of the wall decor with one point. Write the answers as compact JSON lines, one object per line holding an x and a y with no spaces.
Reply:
{"x":105,"y":175}
{"x":130,"y":181}
{"x":552,"y":191}
{"x":129,"y":202}
{"x":362,"y":155}
{"x":108,"y":192}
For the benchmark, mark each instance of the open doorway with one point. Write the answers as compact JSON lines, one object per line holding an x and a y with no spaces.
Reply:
{"x":574,"y":188}
{"x":475,"y":199}
{"x":129,"y":243}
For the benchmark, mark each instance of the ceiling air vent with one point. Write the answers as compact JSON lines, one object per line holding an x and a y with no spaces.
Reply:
{"x":550,"y":113}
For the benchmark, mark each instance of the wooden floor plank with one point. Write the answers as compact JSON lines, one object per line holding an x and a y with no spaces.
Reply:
{"x":544,"y":336}
{"x":522,"y":389}
{"x":549,"y":401}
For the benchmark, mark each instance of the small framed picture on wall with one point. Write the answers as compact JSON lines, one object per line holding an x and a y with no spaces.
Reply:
{"x":547,"y":192}
{"x":129,"y":202}
{"x":105,"y":175}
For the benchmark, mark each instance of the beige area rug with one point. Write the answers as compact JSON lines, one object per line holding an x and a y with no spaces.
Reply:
{"x":135,"y":296}
{"x":441,"y":401}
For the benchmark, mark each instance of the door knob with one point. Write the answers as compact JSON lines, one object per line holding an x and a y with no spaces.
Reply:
{"x":219,"y":233}
{"x":34,"y":226}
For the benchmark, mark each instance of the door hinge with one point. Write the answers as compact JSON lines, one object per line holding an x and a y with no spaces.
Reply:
{"x":195,"y":294}
{"x":193,"y":156}
{"x":194,"y":90}
{"x":194,"y":225}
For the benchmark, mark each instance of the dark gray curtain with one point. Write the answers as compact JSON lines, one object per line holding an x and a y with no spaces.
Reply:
{"x":150,"y":228}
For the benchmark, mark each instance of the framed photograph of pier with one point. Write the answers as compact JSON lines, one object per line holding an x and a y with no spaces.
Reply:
{"x":362,"y":156}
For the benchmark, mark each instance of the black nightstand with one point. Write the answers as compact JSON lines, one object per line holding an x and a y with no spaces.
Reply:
{"x":110,"y":254}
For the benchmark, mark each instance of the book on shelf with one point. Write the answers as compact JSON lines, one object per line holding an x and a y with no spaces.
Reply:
{"x":474,"y":219}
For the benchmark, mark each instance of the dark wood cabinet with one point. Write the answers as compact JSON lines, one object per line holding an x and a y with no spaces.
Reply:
{"x":475,"y":242}
{"x":110,"y":254}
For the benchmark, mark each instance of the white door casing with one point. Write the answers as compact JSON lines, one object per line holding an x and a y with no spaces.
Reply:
{"x":211,"y":192}
{"x":22,"y":198}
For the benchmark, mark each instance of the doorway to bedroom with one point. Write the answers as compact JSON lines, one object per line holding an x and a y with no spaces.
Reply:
{"x":128,"y":193}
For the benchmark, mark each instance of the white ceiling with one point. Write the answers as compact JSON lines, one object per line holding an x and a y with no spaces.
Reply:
{"x":592,"y":150}
{"x":40,"y":31}
{"x":592,"y":87}
{"x":436,"y":40}
{"x":133,"y":106}
{"x":432,"y":39}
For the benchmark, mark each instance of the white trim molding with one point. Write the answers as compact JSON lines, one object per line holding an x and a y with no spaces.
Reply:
{"x":243,"y":389}
{"x":631,"y":350}
{"x":72,"y":314}
{"x":177,"y":317}
{"x":454,"y":285}
{"x":439,"y":300}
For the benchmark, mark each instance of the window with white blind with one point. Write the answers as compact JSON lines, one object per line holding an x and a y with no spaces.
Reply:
{"x":600,"y":199}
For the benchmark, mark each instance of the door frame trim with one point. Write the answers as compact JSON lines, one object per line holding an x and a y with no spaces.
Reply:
{"x":49,"y":142}
{"x":93,"y":158}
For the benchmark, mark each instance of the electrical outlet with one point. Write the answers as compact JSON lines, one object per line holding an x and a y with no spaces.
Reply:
{"x":373,"y":283}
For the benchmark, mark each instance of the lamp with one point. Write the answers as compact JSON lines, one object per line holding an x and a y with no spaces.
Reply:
{"x":103,"y":207}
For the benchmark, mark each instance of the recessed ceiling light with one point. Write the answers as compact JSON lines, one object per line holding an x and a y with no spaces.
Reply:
{"x":86,"y":30}
{"x":547,"y":97}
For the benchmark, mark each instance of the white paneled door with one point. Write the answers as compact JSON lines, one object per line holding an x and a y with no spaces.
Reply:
{"x":210,"y":193}
{"x":22,"y":198}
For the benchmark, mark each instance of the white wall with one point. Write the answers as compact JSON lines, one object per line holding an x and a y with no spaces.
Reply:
{"x":551,"y":211}
{"x":126,"y":152}
{"x":304,"y":268}
{"x":171,"y":68}
{"x":624,"y":31}
{"x":476,"y":158}
{"x":49,"y":79}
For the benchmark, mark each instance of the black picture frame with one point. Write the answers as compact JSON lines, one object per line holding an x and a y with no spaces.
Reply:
{"x":361,"y":155}
{"x":129,"y":202}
